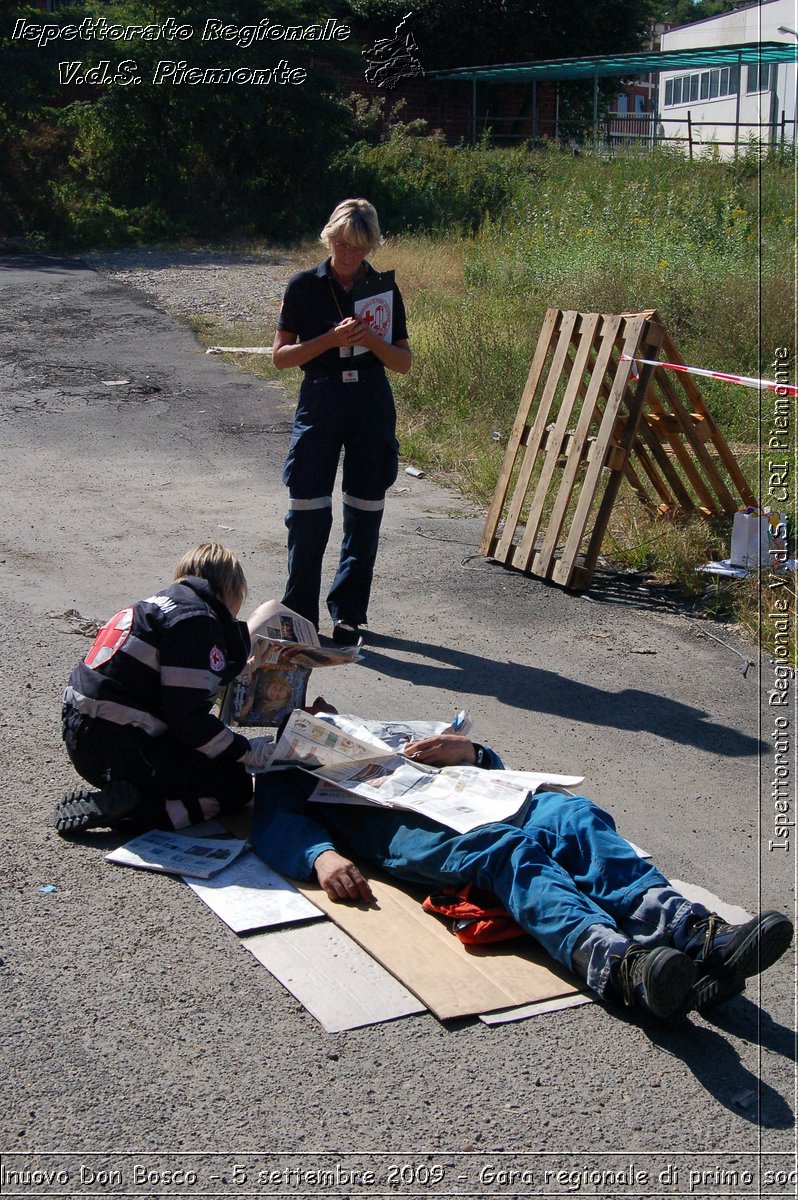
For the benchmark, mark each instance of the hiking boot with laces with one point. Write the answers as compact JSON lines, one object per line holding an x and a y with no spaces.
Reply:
{"x":726,"y":955}
{"x":84,"y":809}
{"x":658,"y":980}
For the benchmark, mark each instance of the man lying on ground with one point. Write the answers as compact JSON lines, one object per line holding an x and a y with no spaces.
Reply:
{"x":559,"y":868}
{"x":137,"y":718}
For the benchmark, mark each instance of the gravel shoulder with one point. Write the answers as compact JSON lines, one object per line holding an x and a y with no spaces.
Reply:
{"x":133,"y":1020}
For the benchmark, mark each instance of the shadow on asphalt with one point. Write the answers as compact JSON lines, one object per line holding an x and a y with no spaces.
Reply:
{"x":42,"y":263}
{"x":717,"y":1066}
{"x":536,"y":690}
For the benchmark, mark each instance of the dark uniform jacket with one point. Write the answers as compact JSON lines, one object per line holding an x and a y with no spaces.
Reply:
{"x":314,"y":303}
{"x":160,"y":664}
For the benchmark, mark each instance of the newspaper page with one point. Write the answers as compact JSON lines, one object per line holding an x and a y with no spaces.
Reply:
{"x":249,"y":895}
{"x":356,"y":767}
{"x":177,"y":854}
{"x":285,"y":648}
{"x":317,"y":744}
{"x":395,"y":734}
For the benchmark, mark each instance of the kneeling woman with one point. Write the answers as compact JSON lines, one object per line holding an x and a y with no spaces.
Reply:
{"x":345,"y":401}
{"x":137,"y":718}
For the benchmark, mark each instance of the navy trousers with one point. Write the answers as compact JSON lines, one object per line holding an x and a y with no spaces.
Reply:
{"x":360,"y":419}
{"x":178,"y":784}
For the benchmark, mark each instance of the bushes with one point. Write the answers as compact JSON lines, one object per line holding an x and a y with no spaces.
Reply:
{"x":692,"y":240}
{"x":419,"y":183}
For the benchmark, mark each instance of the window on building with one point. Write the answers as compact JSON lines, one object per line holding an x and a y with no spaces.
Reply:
{"x":759,"y":79}
{"x":704,"y":85}
{"x":622,"y":103}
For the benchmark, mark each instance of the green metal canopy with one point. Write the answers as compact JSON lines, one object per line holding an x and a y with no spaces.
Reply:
{"x":648,"y":62}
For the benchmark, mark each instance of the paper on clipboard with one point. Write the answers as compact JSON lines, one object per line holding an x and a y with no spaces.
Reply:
{"x":373,"y":304}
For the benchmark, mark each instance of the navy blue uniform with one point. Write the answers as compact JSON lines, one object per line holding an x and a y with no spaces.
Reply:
{"x":138,"y":706}
{"x":358,"y":417}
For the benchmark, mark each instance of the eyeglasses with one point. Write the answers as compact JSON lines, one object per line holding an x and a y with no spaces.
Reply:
{"x":345,"y":246}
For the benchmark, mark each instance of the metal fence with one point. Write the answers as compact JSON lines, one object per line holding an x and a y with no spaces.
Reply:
{"x":644,"y":131}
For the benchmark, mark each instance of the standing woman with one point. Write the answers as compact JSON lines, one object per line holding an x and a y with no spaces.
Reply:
{"x":345,"y":401}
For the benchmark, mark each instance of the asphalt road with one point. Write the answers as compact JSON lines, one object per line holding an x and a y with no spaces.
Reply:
{"x":136,"y":1032}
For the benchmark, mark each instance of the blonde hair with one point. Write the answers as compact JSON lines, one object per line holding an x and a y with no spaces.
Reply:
{"x":218,"y":566}
{"x":358,"y":220}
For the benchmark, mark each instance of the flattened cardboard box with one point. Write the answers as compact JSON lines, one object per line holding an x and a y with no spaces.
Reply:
{"x":422,"y":954}
{"x":452,"y":980}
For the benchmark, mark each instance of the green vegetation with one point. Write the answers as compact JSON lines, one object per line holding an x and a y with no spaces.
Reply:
{"x":499,"y":236}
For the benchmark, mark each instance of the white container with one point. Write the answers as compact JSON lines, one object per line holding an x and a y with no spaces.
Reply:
{"x":750,"y":541}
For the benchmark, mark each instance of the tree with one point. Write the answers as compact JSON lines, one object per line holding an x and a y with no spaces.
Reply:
{"x":148,"y":158}
{"x":684,"y":12}
{"x":459,"y":33}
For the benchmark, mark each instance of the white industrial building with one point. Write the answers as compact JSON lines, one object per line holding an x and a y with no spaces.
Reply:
{"x":722,"y":109}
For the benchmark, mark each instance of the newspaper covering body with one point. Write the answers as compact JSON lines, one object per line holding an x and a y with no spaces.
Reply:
{"x":357,"y":767}
{"x":285,"y":649}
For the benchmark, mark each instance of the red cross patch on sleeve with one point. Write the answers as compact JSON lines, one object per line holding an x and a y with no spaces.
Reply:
{"x":112,"y":635}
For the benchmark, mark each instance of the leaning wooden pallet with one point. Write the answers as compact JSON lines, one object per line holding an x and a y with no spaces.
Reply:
{"x":588,"y":419}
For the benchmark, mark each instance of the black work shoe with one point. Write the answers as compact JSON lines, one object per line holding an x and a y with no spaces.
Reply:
{"x":345,"y":634}
{"x":726,"y":955}
{"x":84,"y":809}
{"x":658,"y":980}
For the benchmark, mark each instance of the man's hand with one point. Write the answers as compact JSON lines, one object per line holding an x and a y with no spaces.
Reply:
{"x":340,"y":878}
{"x":443,"y":750}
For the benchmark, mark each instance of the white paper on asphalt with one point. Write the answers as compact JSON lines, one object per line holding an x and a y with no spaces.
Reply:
{"x":248,"y":895}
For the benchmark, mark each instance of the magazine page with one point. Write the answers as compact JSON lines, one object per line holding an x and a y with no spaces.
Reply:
{"x":269,"y":695}
{"x":285,"y":649}
{"x":177,"y":854}
{"x":266,"y":652}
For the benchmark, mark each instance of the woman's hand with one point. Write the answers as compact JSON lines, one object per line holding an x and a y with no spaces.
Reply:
{"x":340,"y":878}
{"x":394,"y":355}
{"x":443,"y":750}
{"x":349,"y":332}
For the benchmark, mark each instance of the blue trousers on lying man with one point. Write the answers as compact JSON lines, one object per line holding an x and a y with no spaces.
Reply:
{"x":559,"y":868}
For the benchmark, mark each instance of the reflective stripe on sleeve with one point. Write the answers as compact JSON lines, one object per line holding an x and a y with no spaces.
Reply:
{"x":142,"y":651}
{"x":217,"y":744}
{"x":118,"y":714}
{"x":190,"y":677}
{"x":364,"y":505}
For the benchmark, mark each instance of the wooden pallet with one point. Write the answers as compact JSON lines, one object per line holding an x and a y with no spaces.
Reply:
{"x":588,"y":419}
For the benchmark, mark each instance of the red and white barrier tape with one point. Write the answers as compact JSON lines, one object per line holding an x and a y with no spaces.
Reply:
{"x":783,"y":389}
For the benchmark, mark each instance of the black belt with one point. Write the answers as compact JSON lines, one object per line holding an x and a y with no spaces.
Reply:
{"x":362,"y":372}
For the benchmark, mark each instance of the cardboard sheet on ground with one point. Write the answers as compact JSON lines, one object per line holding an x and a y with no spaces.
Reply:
{"x":422,"y":954}
{"x":332,"y":977}
{"x":420,"y":951}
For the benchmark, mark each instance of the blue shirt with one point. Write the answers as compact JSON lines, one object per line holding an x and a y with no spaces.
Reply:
{"x":290,"y":832}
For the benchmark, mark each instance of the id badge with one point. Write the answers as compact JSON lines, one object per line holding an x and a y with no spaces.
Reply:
{"x":349,"y":376}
